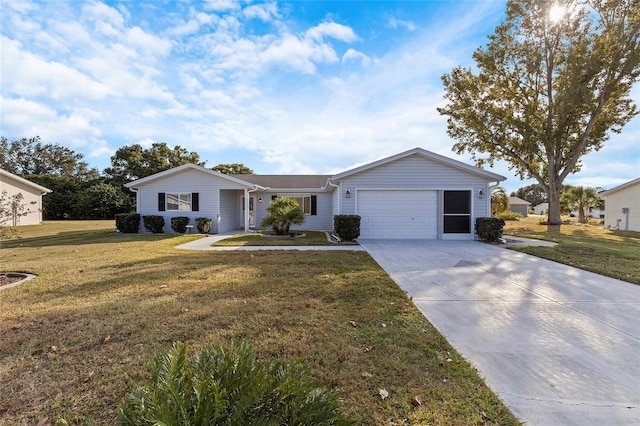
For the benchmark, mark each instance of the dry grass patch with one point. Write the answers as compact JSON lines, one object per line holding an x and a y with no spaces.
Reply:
{"x":78,"y":337}
{"x":591,"y":247}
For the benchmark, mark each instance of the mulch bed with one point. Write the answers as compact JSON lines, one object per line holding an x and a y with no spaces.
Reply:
{"x":10,"y":278}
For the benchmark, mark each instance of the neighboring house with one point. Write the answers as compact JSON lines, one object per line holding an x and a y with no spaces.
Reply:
{"x":623,"y":206}
{"x":32,"y":199}
{"x":542,"y":208}
{"x":415,"y":194}
{"x":518,"y":205}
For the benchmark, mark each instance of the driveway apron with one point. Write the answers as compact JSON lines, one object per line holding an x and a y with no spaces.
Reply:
{"x":558,"y":345}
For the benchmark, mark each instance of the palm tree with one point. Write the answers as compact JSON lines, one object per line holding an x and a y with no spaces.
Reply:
{"x":283,"y":212}
{"x":582,"y":199}
{"x":499,"y":200}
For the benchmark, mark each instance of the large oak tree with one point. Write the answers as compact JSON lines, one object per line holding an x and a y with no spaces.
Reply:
{"x":551,"y":85}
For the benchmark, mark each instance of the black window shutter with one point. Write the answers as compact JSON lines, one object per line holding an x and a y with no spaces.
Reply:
{"x":195,"y":202}
{"x":273,"y":197}
{"x":161,"y":204}
{"x":314,"y":205}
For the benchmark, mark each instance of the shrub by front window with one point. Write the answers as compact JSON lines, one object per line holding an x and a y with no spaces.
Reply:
{"x":179,"y":224}
{"x":153,"y":223}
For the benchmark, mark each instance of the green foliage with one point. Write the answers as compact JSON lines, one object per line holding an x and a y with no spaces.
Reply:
{"x":547,"y":92}
{"x":128,"y":223}
{"x":582,"y":199}
{"x":228,"y":387}
{"x":32,"y":157}
{"x":533,"y":193}
{"x":499,"y":200}
{"x":509,"y":216}
{"x":179,"y":224}
{"x":12,"y":207}
{"x":346,"y":227}
{"x":203,"y":224}
{"x":135,"y":162}
{"x":283,"y":212}
{"x":101,"y":201}
{"x":153,"y":223}
{"x":489,"y":228}
{"x":233,"y":169}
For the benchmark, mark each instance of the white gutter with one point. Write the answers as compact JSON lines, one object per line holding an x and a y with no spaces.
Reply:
{"x":137,"y":199}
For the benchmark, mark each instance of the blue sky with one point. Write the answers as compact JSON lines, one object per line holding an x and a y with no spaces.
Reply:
{"x":284,"y":87}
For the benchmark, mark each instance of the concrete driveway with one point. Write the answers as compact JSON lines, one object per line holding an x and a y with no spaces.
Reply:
{"x":560,"y":346}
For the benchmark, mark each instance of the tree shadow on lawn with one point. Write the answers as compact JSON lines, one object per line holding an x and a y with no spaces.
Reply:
{"x":74,"y":238}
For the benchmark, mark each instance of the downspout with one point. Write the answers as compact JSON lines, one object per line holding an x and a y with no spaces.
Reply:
{"x":339,"y":201}
{"x":137,"y":199}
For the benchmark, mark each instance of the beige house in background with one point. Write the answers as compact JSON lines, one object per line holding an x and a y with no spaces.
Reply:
{"x":32,"y":199}
{"x":623,"y":206}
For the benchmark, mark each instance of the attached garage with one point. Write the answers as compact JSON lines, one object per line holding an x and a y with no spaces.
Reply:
{"x":398,"y":213}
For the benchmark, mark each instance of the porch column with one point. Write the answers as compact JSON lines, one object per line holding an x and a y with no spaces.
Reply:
{"x":246,"y":210}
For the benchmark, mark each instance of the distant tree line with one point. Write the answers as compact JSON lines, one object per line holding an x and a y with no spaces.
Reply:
{"x":82,"y":192}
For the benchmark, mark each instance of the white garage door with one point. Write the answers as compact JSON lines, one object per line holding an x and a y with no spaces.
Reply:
{"x":398,"y":214}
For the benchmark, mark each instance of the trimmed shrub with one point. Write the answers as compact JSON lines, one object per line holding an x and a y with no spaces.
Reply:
{"x":128,"y":223}
{"x":489,"y":228}
{"x":179,"y":224}
{"x":346,"y":227}
{"x":509,"y":216}
{"x":229,"y":387}
{"x":203,"y":224}
{"x":153,"y":223}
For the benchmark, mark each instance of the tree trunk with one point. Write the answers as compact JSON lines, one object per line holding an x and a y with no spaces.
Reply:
{"x":554,"y":203}
{"x":582,"y":218}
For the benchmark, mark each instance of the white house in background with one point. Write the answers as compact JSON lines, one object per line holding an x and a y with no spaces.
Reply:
{"x":518,"y":205}
{"x":623,"y":206}
{"x":415,"y":194}
{"x":32,"y":199}
{"x":541,"y":208}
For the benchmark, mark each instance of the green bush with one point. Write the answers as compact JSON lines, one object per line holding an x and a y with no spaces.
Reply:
{"x":153,"y":223}
{"x":489,"y":228}
{"x":128,"y":223}
{"x":283,"y":212}
{"x":346,"y":227}
{"x":509,"y":216}
{"x":179,"y":224}
{"x":228,"y":387}
{"x":203,"y":224}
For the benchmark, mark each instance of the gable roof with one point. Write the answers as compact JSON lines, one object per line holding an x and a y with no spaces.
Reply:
{"x":428,"y":155}
{"x":24,"y":181}
{"x":287,"y":181}
{"x":145,"y":180}
{"x":515,"y":201}
{"x":619,"y":187}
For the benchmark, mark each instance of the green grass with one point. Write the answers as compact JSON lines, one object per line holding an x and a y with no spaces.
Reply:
{"x":591,"y":247}
{"x":77,"y":338}
{"x":311,"y":238}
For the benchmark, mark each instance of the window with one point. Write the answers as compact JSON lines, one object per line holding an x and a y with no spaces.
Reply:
{"x":180,"y":201}
{"x":457,"y":212}
{"x":307,"y":202}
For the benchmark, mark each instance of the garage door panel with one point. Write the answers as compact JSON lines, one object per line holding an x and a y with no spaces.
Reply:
{"x":398,"y":214}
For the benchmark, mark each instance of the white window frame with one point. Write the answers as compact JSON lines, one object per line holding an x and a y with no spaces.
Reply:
{"x":184,"y":201}
{"x":306,"y":201}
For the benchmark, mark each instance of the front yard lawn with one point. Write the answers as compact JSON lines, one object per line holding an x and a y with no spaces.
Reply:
{"x":591,"y":247}
{"x":77,"y":338}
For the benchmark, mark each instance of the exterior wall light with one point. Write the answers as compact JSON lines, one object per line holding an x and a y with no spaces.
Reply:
{"x":259,"y":200}
{"x":347,"y":193}
{"x":481,"y":194}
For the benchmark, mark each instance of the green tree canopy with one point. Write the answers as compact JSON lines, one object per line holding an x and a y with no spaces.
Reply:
{"x":534,"y":194}
{"x":133,"y":162}
{"x":29,"y":156}
{"x":547,"y":90}
{"x":233,"y":169}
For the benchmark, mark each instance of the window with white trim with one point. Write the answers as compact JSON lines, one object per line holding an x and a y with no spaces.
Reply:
{"x":179,"y":201}
{"x":303,"y":200}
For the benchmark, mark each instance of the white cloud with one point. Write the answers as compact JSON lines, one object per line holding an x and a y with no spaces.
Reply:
{"x":399,"y":23}
{"x":264,"y":11}
{"x":333,"y":30}
{"x":352,"y":55}
{"x":147,"y":44}
{"x":221,"y":5}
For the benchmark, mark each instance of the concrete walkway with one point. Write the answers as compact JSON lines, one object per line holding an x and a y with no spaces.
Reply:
{"x":205,"y":244}
{"x":560,"y":346}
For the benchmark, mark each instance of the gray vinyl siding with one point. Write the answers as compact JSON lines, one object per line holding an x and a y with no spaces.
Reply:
{"x":189,"y":180}
{"x":417,"y":172}
{"x":321,"y":221}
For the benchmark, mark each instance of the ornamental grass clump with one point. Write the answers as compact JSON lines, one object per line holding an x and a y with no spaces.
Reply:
{"x":221,"y":386}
